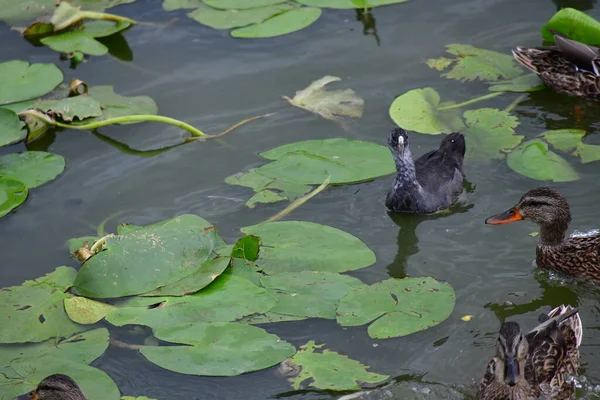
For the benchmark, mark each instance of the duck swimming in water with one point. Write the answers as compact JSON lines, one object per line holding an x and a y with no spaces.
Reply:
{"x":537,"y":363}
{"x":431,"y":183}
{"x":579,"y":256}
{"x":57,"y":387}
{"x":570,"y":67}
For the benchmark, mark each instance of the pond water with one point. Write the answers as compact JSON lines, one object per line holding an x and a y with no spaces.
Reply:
{"x":210,"y":80}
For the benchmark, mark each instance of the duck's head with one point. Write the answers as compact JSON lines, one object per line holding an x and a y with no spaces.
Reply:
{"x":544,"y":206}
{"x":512,"y":351}
{"x":398,"y":142}
{"x":57,"y":387}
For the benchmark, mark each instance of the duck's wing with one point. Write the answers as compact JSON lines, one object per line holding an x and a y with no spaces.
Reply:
{"x":438,"y":168}
{"x":583,"y":56}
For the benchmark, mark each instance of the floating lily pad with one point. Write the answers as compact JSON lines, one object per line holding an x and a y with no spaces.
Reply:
{"x":348,"y":4}
{"x":439,"y":63}
{"x":24,"y":81}
{"x":280,"y":24}
{"x":269,"y":190}
{"x":290,"y":246}
{"x":34,"y":312}
{"x":12,"y":128}
{"x":524,"y":83}
{"x":490,"y":133}
{"x":329,"y":370}
{"x":417,"y":110}
{"x":69,"y":42}
{"x":245,"y":269}
{"x":246,"y":248}
{"x":227,"y":19}
{"x":149,"y":258}
{"x":207,"y":272}
{"x":115,"y":105}
{"x":61,"y":278}
{"x":67,"y":109}
{"x":269,"y":318}
{"x":241,"y":4}
{"x":226,"y":299}
{"x":398,"y":307}
{"x":473,"y":63}
{"x":265,"y":196}
{"x":329,"y":104}
{"x":12,"y":195}
{"x":534,"y":160}
{"x":13,"y":11}
{"x":170,"y":5}
{"x":217,"y":349}
{"x":33,"y":168}
{"x":570,"y":140}
{"x":575,"y":24}
{"x":309,"y":293}
{"x":86,"y":311}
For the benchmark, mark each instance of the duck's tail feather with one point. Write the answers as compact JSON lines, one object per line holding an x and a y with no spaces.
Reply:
{"x":569,"y":316}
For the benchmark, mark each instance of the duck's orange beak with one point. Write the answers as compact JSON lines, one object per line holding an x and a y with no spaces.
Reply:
{"x":511,"y":215}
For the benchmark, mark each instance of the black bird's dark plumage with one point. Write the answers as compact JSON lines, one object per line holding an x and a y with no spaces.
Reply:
{"x":431,"y":183}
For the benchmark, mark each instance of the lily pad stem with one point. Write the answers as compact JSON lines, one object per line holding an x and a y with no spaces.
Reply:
{"x":515,"y":103}
{"x":105,"y":17}
{"x":298,"y":202}
{"x":472,"y":101}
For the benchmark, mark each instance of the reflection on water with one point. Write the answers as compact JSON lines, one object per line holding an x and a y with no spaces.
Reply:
{"x":368,"y":20}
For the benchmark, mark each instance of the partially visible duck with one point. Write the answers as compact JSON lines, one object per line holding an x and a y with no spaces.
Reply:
{"x":538,"y":363}
{"x":431,"y":183}
{"x":570,"y":67}
{"x":57,"y":387}
{"x":579,"y":256}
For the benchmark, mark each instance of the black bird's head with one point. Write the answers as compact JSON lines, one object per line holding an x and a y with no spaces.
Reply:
{"x":398,"y":141}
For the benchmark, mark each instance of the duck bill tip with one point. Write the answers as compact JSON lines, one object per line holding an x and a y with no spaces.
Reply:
{"x":506,"y":217}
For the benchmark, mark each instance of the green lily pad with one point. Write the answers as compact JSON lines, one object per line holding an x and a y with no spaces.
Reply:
{"x":241,"y":4}
{"x":524,"y":83}
{"x":309,"y":293}
{"x":86,"y":311}
{"x":575,"y":24}
{"x":264,"y":196}
{"x":94,"y":383}
{"x":67,"y":109}
{"x":227,"y":19}
{"x":312,"y":161}
{"x":570,"y":140}
{"x":534,"y":160}
{"x":348,"y":4}
{"x":136,"y":398}
{"x":149,"y":258}
{"x":11,"y":130}
{"x":217,"y":349}
{"x":23,"y":81}
{"x":207,"y":272}
{"x":397,"y":307}
{"x":14,"y":11}
{"x":269,"y":318}
{"x":33,"y":168}
{"x":490,"y":133}
{"x":69,"y":42}
{"x":280,"y":24}
{"x":61,"y":278}
{"x":291,"y":246}
{"x":473,"y":63}
{"x":439,"y":64}
{"x":329,"y":370}
{"x":115,"y":105}
{"x":246,"y":248}
{"x":226,"y":299}
{"x":100,"y":29}
{"x":35,"y":311}
{"x":268,"y":190}
{"x":12,"y":195}
{"x":417,"y":110}
{"x":245,"y":269}
{"x":170,"y":5}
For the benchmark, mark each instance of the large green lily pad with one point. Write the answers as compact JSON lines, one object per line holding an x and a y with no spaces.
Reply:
{"x":570,"y":140}
{"x":12,"y":195}
{"x":207,"y":272}
{"x":86,"y":311}
{"x":226,"y":19}
{"x":575,"y":25}
{"x":72,"y":41}
{"x":149,"y":258}
{"x":398,"y":307}
{"x":11,"y":128}
{"x":34,"y":311}
{"x":534,"y":160}
{"x":309,"y":293}
{"x":329,"y":370}
{"x":226,"y":299}
{"x":348,"y":4}
{"x":490,"y":133}
{"x":280,"y":24}
{"x":33,"y":168}
{"x":217,"y":349}
{"x":418,"y":110}
{"x":67,"y":109}
{"x":115,"y":105}
{"x":291,"y":246}
{"x":525,"y":83}
{"x":473,"y":63}
{"x":24,"y":81}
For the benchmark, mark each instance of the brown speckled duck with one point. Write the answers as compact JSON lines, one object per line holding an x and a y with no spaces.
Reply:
{"x":538,"y":363}
{"x":579,"y":256}
{"x":57,"y":387}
